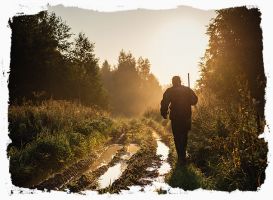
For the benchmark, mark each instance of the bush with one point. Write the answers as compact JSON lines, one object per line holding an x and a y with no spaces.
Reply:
{"x":51,"y":151}
{"x":49,"y":137}
{"x":189,"y":178}
{"x":224,"y":143}
{"x":153,"y":114}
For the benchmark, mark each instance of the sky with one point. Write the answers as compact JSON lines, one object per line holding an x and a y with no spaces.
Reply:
{"x":173,"y":40}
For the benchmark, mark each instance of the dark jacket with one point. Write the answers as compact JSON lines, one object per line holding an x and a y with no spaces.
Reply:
{"x":180,"y":99}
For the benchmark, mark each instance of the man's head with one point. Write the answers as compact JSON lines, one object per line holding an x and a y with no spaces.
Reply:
{"x":176,"y":81}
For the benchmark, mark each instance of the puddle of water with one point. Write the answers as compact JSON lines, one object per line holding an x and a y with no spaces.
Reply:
{"x":105,"y":157}
{"x":156,"y":136}
{"x":113,"y":173}
{"x":162,"y":150}
{"x":132,"y":148}
{"x":158,"y":182}
{"x":150,"y":169}
{"x":164,"y":168}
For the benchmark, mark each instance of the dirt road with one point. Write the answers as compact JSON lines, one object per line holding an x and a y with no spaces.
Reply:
{"x":117,"y":169}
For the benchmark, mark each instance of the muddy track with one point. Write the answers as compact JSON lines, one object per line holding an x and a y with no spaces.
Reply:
{"x":145,"y":167}
{"x":57,"y":181}
{"x":136,"y":172}
{"x":88,"y":180}
{"x":141,"y":168}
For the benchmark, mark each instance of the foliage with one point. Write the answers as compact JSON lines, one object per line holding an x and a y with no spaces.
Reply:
{"x":53,"y":135}
{"x":227,"y":146}
{"x":47,"y":138}
{"x":224,"y":150}
{"x":234,"y":56}
{"x":189,"y":178}
{"x":229,"y":117}
{"x":86,"y":80}
{"x":131,"y":86}
{"x":46,"y":63}
{"x":36,"y":46}
{"x":153,"y":114}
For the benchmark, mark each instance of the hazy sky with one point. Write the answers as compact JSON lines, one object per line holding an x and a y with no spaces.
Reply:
{"x":173,"y":40}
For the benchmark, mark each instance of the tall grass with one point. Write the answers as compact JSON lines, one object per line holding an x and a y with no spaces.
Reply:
{"x":188,"y":177}
{"x":224,"y":143}
{"x":224,"y":148}
{"x":49,"y":137}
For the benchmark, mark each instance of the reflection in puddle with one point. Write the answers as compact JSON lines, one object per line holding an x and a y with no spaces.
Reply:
{"x":164,"y":168}
{"x":113,"y":173}
{"x":105,"y":157}
{"x":132,"y":148}
{"x":158,"y":182}
{"x":163,"y":151}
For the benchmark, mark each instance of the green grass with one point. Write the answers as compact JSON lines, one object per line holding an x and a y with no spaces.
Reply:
{"x":225,"y":151}
{"x":50,"y":137}
{"x":224,"y":155}
{"x":54,"y":135}
{"x":188,"y":177}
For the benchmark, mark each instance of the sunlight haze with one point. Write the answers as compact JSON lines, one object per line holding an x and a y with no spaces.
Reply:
{"x":173,"y":40}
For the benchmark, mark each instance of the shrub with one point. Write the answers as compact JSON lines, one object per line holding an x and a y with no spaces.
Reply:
{"x":224,"y":144}
{"x":51,"y":136}
{"x":189,"y":178}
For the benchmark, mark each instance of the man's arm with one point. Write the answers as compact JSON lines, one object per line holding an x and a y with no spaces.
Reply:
{"x":194,"y":98}
{"x":165,"y":104}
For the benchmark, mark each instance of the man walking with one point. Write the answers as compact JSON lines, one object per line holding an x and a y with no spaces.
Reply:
{"x":180,"y":99}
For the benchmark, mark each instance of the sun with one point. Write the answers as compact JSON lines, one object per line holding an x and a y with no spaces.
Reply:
{"x":177,"y":49}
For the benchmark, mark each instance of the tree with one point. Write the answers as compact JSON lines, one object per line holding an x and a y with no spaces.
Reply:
{"x":131,"y":87}
{"x":46,"y":64}
{"x":37,"y":47}
{"x":86,"y":78}
{"x":143,"y":66}
{"x":125,"y":85}
{"x":230,"y":111}
{"x":106,"y":75}
{"x":234,"y":56}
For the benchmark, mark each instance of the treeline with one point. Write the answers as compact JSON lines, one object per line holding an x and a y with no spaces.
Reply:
{"x":234,"y":61}
{"x":131,"y":87}
{"x":230,"y":113}
{"x":48,"y":62}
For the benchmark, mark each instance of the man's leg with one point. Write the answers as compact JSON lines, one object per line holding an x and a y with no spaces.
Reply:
{"x":180,"y":140}
{"x":184,"y":139}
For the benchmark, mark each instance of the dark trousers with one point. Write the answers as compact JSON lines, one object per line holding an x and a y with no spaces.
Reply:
{"x":180,"y":133}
